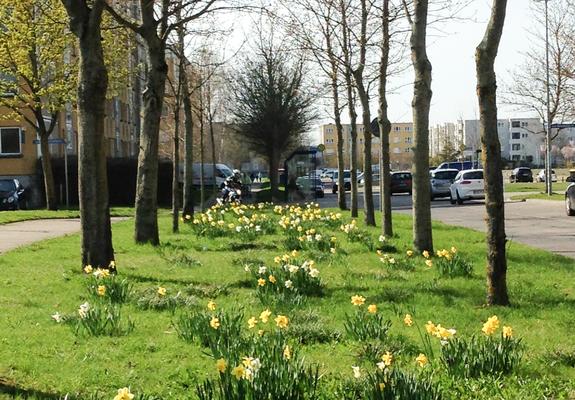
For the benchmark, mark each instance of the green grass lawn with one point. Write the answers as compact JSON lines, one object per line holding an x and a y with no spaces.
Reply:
{"x":39,"y":355}
{"x":26,"y":215}
{"x":534,"y":187}
{"x":556,"y":196}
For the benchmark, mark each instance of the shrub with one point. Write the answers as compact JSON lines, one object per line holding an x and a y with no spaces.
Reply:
{"x":451,"y":264}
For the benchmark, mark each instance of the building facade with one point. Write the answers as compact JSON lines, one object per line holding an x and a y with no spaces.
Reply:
{"x":400,"y":145}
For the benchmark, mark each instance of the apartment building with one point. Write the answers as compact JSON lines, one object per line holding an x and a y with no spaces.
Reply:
{"x":400,"y":145}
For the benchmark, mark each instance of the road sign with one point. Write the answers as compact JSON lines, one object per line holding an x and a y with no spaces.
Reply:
{"x":51,"y":141}
{"x":321,"y":147}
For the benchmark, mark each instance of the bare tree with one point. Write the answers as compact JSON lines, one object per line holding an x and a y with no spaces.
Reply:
{"x":422,"y":233}
{"x":485,"y":56}
{"x":85,"y":18}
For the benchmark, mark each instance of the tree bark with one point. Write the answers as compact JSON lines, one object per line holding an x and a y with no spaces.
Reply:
{"x":85,"y":23}
{"x":188,"y":201}
{"x":422,"y":233}
{"x":341,"y":199}
{"x":274,"y":164}
{"x":202,"y":158}
{"x":147,"y":183}
{"x":384,"y":128}
{"x":49,"y":186}
{"x":176,"y":167}
{"x":485,"y":56}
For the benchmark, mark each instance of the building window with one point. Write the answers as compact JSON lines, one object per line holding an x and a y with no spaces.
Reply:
{"x":407,"y":149}
{"x":524,"y":135}
{"x":516,"y":157}
{"x":408,"y":140}
{"x":396,"y":139}
{"x":10,"y":141}
{"x":515,"y":147}
{"x":396,"y":150}
{"x":408,"y":128}
{"x":524,"y":124}
{"x":396,"y":128}
{"x":515,"y":124}
{"x":500,"y":124}
{"x":515,"y":135}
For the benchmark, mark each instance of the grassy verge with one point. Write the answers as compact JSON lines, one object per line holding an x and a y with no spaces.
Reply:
{"x":534,"y":187}
{"x":41,"y":356}
{"x":540,"y":196}
{"x":26,"y":215}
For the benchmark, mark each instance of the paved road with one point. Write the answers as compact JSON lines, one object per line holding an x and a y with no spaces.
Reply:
{"x":538,"y":223}
{"x":22,"y":233}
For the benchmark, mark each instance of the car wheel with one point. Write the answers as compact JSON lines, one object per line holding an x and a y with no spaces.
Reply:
{"x":334,"y":189}
{"x":432,"y":197}
{"x":347,"y":186}
{"x":451,"y":199}
{"x":568,"y":208}
{"x":459,"y":199}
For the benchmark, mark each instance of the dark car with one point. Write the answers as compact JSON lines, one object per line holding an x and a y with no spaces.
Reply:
{"x":441,"y":181}
{"x":401,"y":182}
{"x":310,"y":185}
{"x":11,"y":194}
{"x":521,"y":174}
{"x":570,"y":200}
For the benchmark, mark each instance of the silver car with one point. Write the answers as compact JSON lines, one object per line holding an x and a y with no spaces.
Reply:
{"x":441,"y":180}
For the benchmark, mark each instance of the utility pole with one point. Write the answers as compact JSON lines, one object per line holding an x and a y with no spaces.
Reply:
{"x":548,"y":176}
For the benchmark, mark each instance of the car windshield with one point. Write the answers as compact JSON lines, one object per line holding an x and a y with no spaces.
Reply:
{"x":473,"y":175}
{"x":7,"y":185}
{"x":401,"y":176}
{"x":448,"y":175}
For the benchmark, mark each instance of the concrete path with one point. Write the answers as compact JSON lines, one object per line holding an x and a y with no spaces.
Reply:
{"x":22,"y":233}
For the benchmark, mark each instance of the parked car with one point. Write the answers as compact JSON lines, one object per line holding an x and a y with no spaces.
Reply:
{"x":401,"y":182}
{"x":541,"y":176}
{"x":459,"y":165}
{"x":346,"y":180}
{"x":12,"y":194}
{"x":440,"y":181}
{"x":570,"y":200}
{"x":467,"y":185}
{"x":521,"y":174}
{"x":309,"y":184}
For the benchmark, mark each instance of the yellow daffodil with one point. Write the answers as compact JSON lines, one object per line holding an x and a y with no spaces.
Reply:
{"x":124,"y":394}
{"x":272,"y":279}
{"x":261,"y":282}
{"x":239,"y":372}
{"x":421,"y":360}
{"x":265,"y":315}
{"x":430,"y":327}
{"x":381,"y":386}
{"x":211,"y":305}
{"x":357,"y":300}
{"x":409,"y":253}
{"x":215,"y":322}
{"x":372,"y":308}
{"x":387,"y":358}
{"x":407,"y":320}
{"x":88,"y":269}
{"x":162,"y":291}
{"x":252,"y":322}
{"x":261,"y":332}
{"x":425,"y":253}
{"x":429,"y":263}
{"x":281,"y":321}
{"x":507,"y":332}
{"x":356,"y":372}
{"x":221,"y":365}
{"x":453,"y":250}
{"x":491,"y":325}
{"x":101,"y":290}
{"x":287,"y":353}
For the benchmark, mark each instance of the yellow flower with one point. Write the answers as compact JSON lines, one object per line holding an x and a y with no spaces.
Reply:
{"x":491,"y":325}
{"x":421,"y":360}
{"x":387,"y":358}
{"x":356,"y":372}
{"x":277,"y":259}
{"x":429,"y":263}
{"x":112,"y":265}
{"x":105,"y":272}
{"x":261,"y":282}
{"x":272,"y":279}
{"x":425,"y":253}
{"x":101,"y":290}
{"x":252,"y":322}
{"x":215,"y":322}
{"x":507,"y":332}
{"x":407,"y":320}
{"x":372,"y":308}
{"x":261,"y":332}
{"x":357,"y":300}
{"x":211,"y":305}
{"x":124,"y":394}
{"x":221,"y":365}
{"x":265,"y":315}
{"x":162,"y":291}
{"x":430,"y":328}
{"x":282,"y":321}
{"x":453,"y":250}
{"x":444,"y":333}
{"x":287,"y":353}
{"x":381,"y":386}
{"x":409,"y":253}
{"x":239,"y":372}
{"x":88,"y":269}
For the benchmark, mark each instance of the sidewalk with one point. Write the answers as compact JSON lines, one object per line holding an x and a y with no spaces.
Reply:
{"x":19,"y":234}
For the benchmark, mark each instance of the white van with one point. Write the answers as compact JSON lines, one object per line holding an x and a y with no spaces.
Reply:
{"x":222,"y":173}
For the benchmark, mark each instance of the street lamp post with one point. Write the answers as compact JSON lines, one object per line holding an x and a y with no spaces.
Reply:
{"x":548,"y":180}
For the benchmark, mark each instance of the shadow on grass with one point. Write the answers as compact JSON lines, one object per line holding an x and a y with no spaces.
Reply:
{"x":14,"y":391}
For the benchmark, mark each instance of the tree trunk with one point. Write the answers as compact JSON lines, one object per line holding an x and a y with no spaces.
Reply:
{"x":147,"y":183}
{"x":189,"y":151}
{"x":367,"y":174}
{"x":422,"y":234}
{"x":341,"y":199}
{"x":274,"y":165}
{"x":85,"y":23}
{"x":176,"y":168}
{"x":202,"y":158}
{"x":49,"y":186}
{"x":485,"y":56}
{"x":384,"y":129}
{"x":213,"y":147}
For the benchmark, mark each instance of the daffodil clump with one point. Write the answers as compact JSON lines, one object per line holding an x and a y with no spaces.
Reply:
{"x":406,"y":263}
{"x":366,"y":322}
{"x":249,"y":221}
{"x":450,"y":263}
{"x":287,"y":279}
{"x":493,"y":352}
{"x":107,"y":286}
{"x":356,"y":235}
